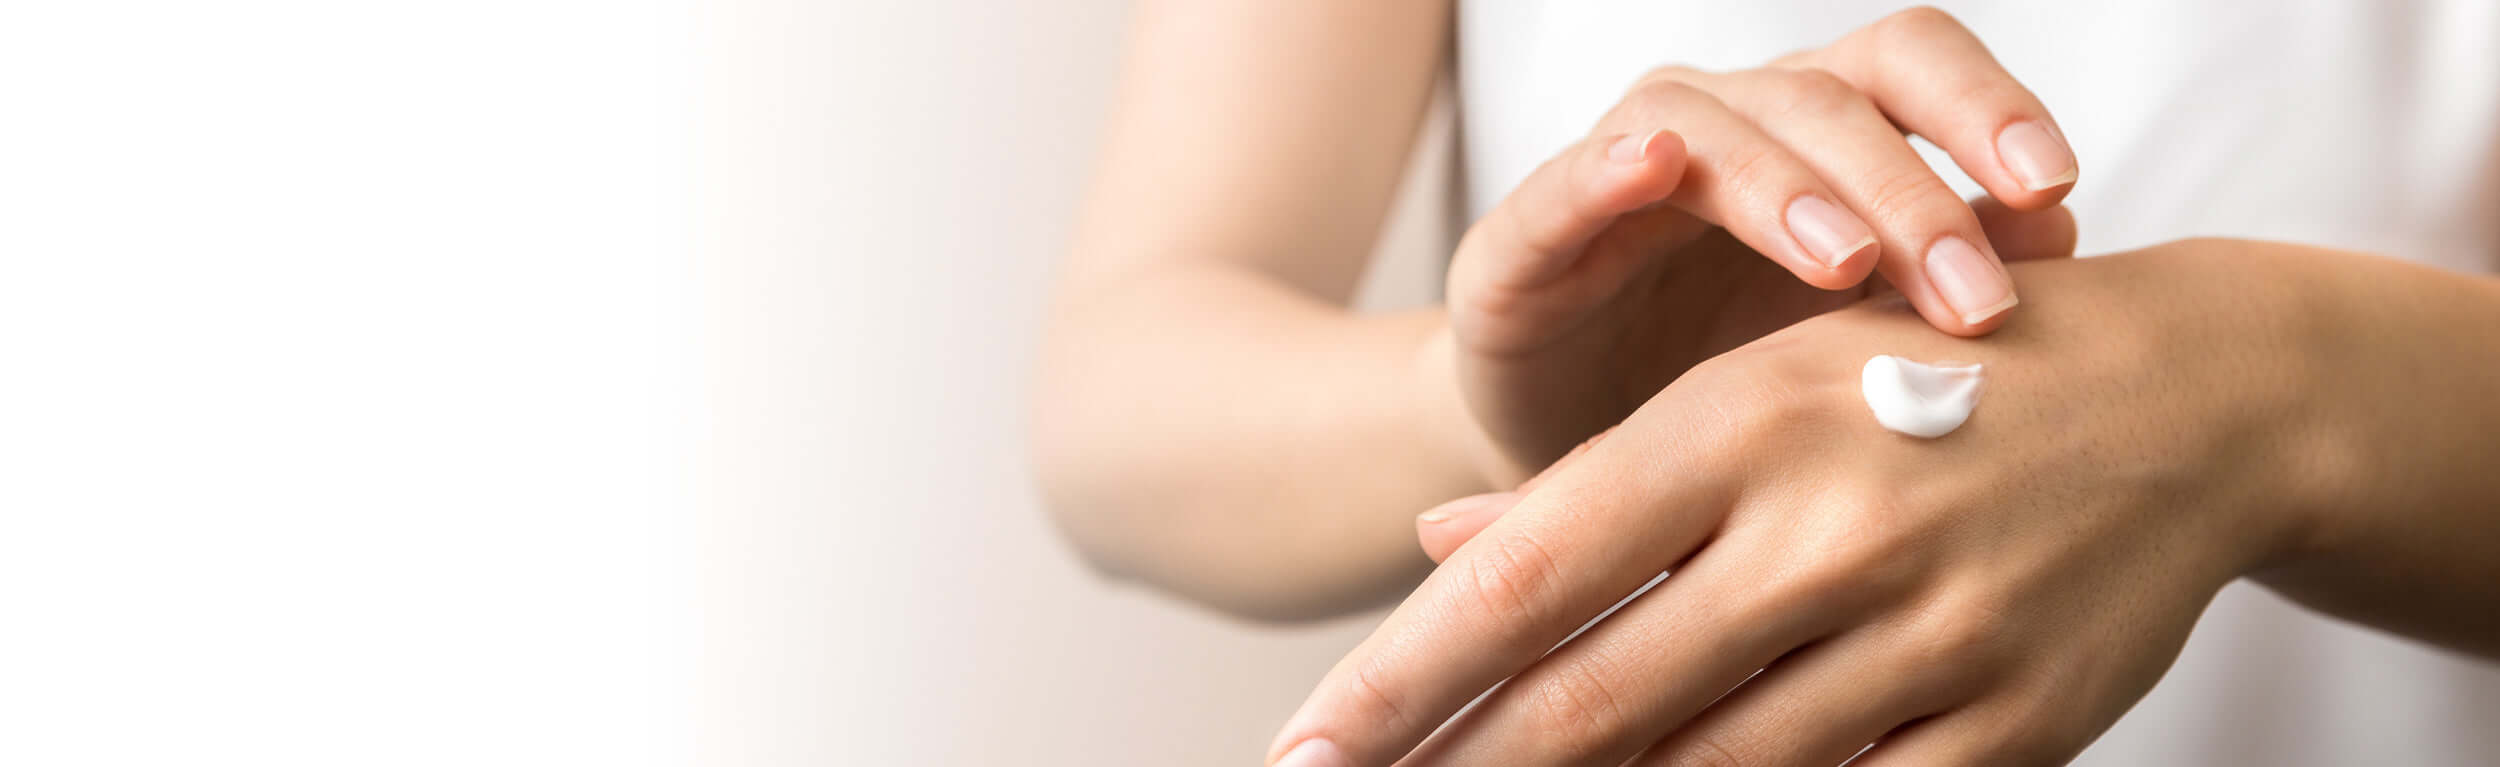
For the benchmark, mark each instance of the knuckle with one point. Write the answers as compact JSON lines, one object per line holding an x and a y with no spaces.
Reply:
{"x":1513,"y":580}
{"x":1816,"y":588}
{"x":1703,"y":749}
{"x":1992,"y":91}
{"x":1745,"y":163}
{"x":1814,"y":93}
{"x":1581,"y":708}
{"x":1918,"y":23}
{"x":1669,"y":75}
{"x":1377,"y":699}
{"x":1661,"y":96}
{"x":1777,"y":387}
{"x":2028,"y":746}
{"x":1913,"y":190}
{"x":1767,"y":409}
{"x":1964,"y":633}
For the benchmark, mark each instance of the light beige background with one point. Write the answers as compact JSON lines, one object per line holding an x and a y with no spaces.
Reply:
{"x":885,"y":188}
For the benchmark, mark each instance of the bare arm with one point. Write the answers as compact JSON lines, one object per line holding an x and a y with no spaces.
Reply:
{"x":1210,"y":416}
{"x":1213,"y":420}
{"x":2405,"y":474}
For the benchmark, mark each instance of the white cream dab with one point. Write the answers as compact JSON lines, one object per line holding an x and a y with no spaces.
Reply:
{"x":1917,"y":399}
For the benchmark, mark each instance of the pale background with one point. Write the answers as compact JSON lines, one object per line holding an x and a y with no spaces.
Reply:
{"x":896,"y":182}
{"x":345,"y":391}
{"x":566,"y":382}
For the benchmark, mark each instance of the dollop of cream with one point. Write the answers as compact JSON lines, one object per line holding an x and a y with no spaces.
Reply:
{"x":1917,"y":399}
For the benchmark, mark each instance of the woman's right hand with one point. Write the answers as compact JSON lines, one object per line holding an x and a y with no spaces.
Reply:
{"x":1708,"y":209}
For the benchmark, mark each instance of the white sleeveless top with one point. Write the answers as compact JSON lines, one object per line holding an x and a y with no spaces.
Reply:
{"x":2343,"y":123}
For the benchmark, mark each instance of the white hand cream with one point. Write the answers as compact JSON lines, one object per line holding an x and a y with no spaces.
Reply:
{"x":1917,"y":399}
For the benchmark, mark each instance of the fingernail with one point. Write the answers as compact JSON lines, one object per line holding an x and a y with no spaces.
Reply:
{"x":1316,"y":752}
{"x":1975,"y":288}
{"x":1634,"y":148}
{"x":1828,"y":232}
{"x":2037,"y":157}
{"x":1436,"y":516}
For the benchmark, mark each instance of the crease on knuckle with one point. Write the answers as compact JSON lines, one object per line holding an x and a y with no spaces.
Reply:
{"x":1703,"y":749}
{"x":1581,"y":708}
{"x":1513,"y":578}
{"x":1376,"y":696}
{"x":1911,"y":190}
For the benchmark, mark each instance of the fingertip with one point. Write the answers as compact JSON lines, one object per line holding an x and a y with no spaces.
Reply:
{"x":2024,"y":200}
{"x":1966,"y":286}
{"x":1450,"y":525}
{"x":2037,"y":160}
{"x":1848,"y":273}
{"x":1668,"y":152}
{"x":1646,"y":168}
{"x":1837,"y":247}
{"x":1981,"y":323}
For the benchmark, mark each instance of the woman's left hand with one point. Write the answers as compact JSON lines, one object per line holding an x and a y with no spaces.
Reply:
{"x":2147,"y":432}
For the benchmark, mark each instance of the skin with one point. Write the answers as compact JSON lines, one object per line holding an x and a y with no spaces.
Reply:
{"x":1256,"y":148}
{"x":1241,"y":190}
{"x":2220,"y":409}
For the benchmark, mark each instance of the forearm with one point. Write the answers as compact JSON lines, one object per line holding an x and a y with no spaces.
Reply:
{"x":1212,"y":431}
{"x":1209,"y":416}
{"x":2408,"y":528}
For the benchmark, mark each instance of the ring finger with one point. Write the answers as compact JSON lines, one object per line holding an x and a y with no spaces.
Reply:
{"x":1818,"y":706}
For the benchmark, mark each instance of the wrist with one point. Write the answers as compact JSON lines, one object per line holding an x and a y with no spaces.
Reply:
{"x":2403,"y":408}
{"x":1446,"y":424}
{"x":2240,"y":341}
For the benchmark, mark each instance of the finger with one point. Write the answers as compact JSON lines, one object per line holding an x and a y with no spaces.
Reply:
{"x":1540,"y":571}
{"x":1935,"y":79}
{"x":1934,"y":251}
{"x":1992,"y":733}
{"x":1526,"y":260}
{"x":2020,"y":235}
{"x":2027,"y":235}
{"x":1541,"y":228}
{"x":1740,"y":179}
{"x":1639,"y":673}
{"x":1819,"y":706}
{"x":1447,"y":526}
{"x":1444,"y":528}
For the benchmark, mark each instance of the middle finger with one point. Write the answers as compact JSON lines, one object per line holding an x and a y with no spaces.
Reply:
{"x":1934,"y":249}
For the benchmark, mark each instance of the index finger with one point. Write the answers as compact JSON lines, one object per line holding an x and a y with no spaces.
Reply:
{"x":1515,"y":591}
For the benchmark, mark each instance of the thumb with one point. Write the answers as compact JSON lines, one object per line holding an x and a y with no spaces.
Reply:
{"x":1526,"y":269}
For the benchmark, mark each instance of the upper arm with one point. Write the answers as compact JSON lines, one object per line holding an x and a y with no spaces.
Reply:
{"x":1264,"y":134}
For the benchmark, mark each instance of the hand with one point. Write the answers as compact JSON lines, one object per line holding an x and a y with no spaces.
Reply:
{"x":1708,"y":209}
{"x":2150,"y":429}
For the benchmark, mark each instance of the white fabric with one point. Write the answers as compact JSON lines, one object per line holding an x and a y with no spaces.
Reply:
{"x":2351,"y":124}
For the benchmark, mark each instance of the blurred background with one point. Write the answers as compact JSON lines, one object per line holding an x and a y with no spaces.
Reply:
{"x":891,"y":185}
{"x":567,"y":382}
